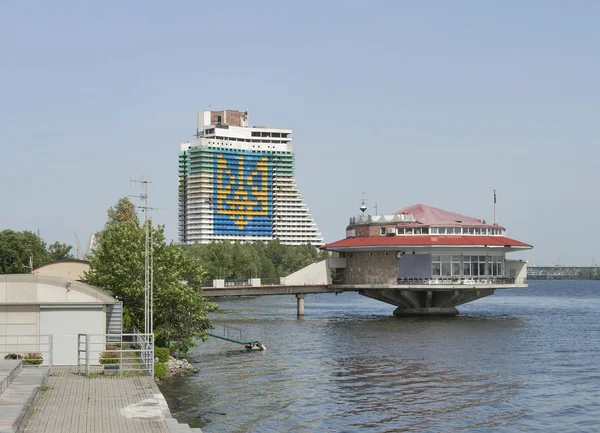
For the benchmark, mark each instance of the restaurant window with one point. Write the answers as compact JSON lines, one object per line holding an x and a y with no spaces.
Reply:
{"x":455,"y":266}
{"x":445,"y":266}
{"x":436,"y":266}
{"x":467,"y":266}
{"x":481,"y":265}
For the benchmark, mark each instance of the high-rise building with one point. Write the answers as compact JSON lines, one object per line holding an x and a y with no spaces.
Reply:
{"x":237,"y":183}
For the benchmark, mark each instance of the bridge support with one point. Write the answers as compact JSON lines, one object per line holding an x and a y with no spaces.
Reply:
{"x":426,"y":302}
{"x":300,"y":304}
{"x":432,"y":311}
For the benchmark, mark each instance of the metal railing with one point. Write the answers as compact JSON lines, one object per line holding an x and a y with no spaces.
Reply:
{"x":115,"y":353}
{"x":461,"y":280}
{"x":27,"y":348}
{"x":237,"y":282}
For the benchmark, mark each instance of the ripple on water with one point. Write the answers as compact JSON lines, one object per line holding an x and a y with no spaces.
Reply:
{"x":517,"y":361}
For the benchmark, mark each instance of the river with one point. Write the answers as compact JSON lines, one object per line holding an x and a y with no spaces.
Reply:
{"x":524,"y":360}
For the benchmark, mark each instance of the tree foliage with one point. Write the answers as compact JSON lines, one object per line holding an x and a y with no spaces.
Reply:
{"x":590,"y":274}
{"x":117,"y":264}
{"x":58,"y":251}
{"x":17,"y":249}
{"x":269,"y":260}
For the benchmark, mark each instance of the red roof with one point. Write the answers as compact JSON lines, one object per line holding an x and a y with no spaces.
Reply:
{"x":425,"y":240}
{"x":433,"y":216}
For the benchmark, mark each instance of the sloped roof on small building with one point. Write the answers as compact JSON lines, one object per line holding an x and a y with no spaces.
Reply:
{"x":44,"y":289}
{"x":432,"y":216}
{"x":425,"y":240}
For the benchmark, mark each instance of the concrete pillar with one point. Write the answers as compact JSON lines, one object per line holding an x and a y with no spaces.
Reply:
{"x":300,"y":302}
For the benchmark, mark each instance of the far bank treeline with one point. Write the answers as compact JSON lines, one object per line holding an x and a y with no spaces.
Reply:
{"x":265,"y":260}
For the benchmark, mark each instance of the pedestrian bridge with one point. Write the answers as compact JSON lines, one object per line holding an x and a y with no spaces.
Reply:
{"x":557,"y":271}
{"x":411,"y":296}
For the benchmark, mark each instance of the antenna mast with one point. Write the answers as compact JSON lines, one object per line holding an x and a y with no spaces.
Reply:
{"x":495,"y":215}
{"x":148,"y":280}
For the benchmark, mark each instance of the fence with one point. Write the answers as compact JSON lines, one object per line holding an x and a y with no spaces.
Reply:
{"x":115,"y":353}
{"x":29,"y":348}
{"x":461,"y":280}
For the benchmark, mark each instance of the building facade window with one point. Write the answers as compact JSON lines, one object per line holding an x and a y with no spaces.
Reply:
{"x":478,"y":266}
{"x":450,"y":231}
{"x":445,"y":266}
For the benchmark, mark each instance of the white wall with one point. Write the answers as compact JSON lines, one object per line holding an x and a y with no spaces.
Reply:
{"x":520,"y":270}
{"x":19,"y":320}
{"x":315,"y":274}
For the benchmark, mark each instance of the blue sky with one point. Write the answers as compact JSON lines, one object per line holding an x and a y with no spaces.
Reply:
{"x":411,"y":102}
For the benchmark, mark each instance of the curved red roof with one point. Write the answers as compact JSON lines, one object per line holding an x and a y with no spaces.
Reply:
{"x":426,"y":240}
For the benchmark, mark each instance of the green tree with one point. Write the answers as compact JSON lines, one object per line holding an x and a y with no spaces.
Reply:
{"x":58,"y":251}
{"x":117,"y":264}
{"x":17,"y":249}
{"x":267,"y":260}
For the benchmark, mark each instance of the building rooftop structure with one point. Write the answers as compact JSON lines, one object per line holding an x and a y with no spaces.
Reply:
{"x":422,"y":225}
{"x":435,"y":217}
{"x":426,"y":260}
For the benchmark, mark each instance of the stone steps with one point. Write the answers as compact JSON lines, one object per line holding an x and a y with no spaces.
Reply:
{"x":18,"y":399}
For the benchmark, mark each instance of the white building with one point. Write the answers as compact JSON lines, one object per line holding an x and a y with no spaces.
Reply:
{"x":237,"y":183}
{"x":35,"y":307}
{"x":426,"y":260}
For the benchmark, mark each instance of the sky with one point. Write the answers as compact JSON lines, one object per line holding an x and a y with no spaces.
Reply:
{"x":409,"y":102}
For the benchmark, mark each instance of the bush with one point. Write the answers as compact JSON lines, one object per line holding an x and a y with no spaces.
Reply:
{"x":162,"y":353}
{"x":34,"y":358}
{"x":113,"y":346}
{"x":160,"y":370}
{"x":109,"y":358}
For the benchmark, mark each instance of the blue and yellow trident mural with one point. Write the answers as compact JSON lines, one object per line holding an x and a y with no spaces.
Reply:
{"x":243,"y":191}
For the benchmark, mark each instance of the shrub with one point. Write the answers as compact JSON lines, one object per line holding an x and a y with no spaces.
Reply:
{"x":109,"y":358}
{"x":162,"y":353}
{"x":113,"y":346}
{"x":160,"y":370}
{"x":32,"y":358}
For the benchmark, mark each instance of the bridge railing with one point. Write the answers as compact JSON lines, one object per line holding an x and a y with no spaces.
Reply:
{"x":461,"y":280}
{"x":238,"y":282}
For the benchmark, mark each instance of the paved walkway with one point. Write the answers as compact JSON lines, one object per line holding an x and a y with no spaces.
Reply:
{"x":113,"y":404}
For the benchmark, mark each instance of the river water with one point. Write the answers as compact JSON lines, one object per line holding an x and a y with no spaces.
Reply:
{"x":523,"y":360}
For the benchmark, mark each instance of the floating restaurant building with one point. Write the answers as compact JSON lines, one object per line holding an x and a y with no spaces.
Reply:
{"x":237,"y":183}
{"x":426,"y":260}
